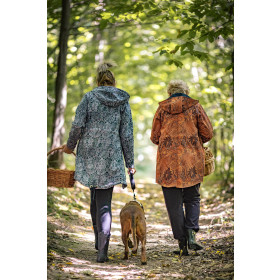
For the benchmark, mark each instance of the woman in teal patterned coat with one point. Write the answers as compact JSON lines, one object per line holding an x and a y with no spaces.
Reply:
{"x":103,"y":125}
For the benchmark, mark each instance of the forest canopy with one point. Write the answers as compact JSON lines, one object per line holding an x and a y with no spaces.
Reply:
{"x":152,"y":42}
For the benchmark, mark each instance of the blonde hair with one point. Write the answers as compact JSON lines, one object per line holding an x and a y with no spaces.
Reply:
{"x":104,"y":76}
{"x":177,"y":86}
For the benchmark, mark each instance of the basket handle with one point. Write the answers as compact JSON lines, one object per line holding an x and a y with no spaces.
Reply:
{"x":59,"y":148}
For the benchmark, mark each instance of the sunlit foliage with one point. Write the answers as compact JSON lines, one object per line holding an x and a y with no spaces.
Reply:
{"x":152,"y":42}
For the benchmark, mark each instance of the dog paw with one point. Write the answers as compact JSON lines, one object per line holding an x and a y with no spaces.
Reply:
{"x":143,"y":263}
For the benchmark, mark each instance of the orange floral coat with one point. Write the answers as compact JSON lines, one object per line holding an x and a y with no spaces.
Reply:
{"x":180,"y":127}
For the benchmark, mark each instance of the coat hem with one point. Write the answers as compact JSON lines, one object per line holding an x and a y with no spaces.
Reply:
{"x":102,"y":187}
{"x":187,"y":185}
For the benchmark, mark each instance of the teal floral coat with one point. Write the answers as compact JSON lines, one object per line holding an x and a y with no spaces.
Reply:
{"x":103,"y":125}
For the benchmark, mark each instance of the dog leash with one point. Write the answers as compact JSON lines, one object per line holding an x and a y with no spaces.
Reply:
{"x":133,"y":187}
{"x":132,"y":183}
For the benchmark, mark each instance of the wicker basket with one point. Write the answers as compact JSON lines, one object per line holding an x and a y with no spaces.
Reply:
{"x":209,"y":161}
{"x":60,"y":178}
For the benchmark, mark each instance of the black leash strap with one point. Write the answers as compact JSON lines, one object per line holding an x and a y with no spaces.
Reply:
{"x":132,"y":182}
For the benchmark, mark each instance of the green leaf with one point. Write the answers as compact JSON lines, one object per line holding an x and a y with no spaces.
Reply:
{"x":175,"y":49}
{"x":211,"y":38}
{"x":138,"y":8}
{"x":194,"y":26}
{"x":152,"y":4}
{"x":162,"y":52}
{"x":181,"y":33}
{"x":106,"y":15}
{"x":202,"y":38}
{"x":154,"y":12}
{"x":192,"y":34}
{"x":170,"y":61}
{"x":158,"y":49}
{"x":190,"y":45}
{"x":229,"y":67}
{"x":178,"y":63}
{"x":184,"y":52}
{"x":173,"y":8}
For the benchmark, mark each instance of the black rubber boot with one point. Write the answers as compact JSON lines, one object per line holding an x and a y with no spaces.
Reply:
{"x":96,"y":237}
{"x":103,"y":245}
{"x":183,"y":248}
{"x":192,"y":244}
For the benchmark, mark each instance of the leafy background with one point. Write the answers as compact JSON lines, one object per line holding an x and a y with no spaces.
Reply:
{"x":152,"y":42}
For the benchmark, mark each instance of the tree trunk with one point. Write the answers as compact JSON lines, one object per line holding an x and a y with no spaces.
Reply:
{"x":56,"y":160}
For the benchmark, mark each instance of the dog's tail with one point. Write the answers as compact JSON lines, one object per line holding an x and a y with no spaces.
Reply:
{"x":133,"y":229}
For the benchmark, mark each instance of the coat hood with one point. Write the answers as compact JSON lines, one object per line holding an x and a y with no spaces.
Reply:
{"x":111,"y":96}
{"x":178,"y":104}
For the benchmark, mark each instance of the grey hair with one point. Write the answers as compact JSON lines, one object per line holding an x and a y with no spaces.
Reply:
{"x":177,"y":86}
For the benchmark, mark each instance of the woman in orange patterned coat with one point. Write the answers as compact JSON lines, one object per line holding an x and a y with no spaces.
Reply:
{"x":180,"y":127}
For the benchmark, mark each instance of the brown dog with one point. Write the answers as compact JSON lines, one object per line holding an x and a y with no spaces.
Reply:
{"x":133,"y":221}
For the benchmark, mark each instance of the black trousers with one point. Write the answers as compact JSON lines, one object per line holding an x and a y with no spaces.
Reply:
{"x":100,"y":209}
{"x":175,"y":198}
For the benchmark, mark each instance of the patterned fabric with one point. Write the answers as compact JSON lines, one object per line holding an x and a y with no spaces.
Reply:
{"x":103,"y":125}
{"x":180,"y":126}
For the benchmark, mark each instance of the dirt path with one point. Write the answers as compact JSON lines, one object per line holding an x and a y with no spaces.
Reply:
{"x":71,"y":253}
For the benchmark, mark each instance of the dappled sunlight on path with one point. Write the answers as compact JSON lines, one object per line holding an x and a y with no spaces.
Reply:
{"x":71,"y":252}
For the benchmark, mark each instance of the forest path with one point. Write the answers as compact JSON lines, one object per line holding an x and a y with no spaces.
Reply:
{"x":71,"y":252}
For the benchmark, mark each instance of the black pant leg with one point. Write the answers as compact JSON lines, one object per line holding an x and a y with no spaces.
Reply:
{"x":104,"y":212}
{"x":191,"y":198}
{"x":174,"y":205}
{"x":93,"y":206}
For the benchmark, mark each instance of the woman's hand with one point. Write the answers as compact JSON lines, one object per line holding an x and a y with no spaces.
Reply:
{"x":131,"y":171}
{"x":66,"y":149}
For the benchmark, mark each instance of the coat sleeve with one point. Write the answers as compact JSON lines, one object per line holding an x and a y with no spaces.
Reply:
{"x":155,"y":134}
{"x":78,"y":124}
{"x":126,"y":135}
{"x":205,"y":129}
